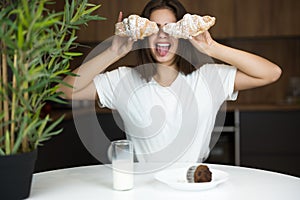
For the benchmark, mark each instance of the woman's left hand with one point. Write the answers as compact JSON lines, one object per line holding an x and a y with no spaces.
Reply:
{"x":202,"y":42}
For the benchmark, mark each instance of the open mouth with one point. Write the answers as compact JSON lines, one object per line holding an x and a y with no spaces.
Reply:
{"x":162,"y":48}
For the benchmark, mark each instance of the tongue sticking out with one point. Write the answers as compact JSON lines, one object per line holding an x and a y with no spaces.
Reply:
{"x":162,"y":50}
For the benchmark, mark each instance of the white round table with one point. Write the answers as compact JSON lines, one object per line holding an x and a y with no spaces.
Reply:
{"x":95,"y":182}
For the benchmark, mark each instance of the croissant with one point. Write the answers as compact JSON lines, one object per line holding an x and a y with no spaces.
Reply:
{"x":135,"y":27}
{"x":189,"y":25}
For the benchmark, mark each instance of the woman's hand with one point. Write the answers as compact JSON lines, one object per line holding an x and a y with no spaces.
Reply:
{"x":121,"y":45}
{"x":202,"y":42}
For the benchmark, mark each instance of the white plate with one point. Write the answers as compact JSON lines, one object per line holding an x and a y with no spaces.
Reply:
{"x":176,"y":178}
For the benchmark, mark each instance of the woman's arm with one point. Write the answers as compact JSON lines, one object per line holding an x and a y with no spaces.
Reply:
{"x":83,"y":86}
{"x":253,"y":71}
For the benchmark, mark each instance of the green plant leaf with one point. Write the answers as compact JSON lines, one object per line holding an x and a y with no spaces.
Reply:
{"x":25,"y":7}
{"x":47,"y":23}
{"x":2,"y":153}
{"x":72,"y":53}
{"x":53,"y":125}
{"x":27,"y":129}
{"x":56,"y":99}
{"x":88,"y":11}
{"x":37,"y":86}
{"x":7,"y":142}
{"x":40,"y":9}
{"x":20,"y":36}
{"x":42,"y":126}
{"x":67,"y":13}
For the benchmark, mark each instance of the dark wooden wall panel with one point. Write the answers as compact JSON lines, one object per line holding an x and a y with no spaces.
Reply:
{"x":267,"y":17}
{"x":222,"y":10}
{"x":235,"y":18}
{"x":282,"y":51}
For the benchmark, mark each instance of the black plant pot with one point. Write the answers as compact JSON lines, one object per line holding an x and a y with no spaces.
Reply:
{"x":16,"y":175}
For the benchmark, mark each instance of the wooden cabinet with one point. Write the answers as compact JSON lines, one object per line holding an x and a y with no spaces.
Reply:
{"x":250,"y":18}
{"x":235,"y":18}
{"x":67,"y":149}
{"x":284,"y":51}
{"x":98,"y":31}
{"x":270,"y":140}
{"x":222,"y":10}
{"x":64,"y":150}
{"x":102,"y":30}
{"x":267,"y":18}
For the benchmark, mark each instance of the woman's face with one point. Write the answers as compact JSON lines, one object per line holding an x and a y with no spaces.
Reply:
{"x":163,"y":47}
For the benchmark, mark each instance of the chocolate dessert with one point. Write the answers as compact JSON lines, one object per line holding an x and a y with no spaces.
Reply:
{"x":199,"y":174}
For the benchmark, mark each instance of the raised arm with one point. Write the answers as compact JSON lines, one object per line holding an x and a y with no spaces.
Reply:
{"x":253,"y":71}
{"x":83,"y":86}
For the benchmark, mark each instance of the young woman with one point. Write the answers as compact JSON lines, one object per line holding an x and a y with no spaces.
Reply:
{"x":169,"y":113}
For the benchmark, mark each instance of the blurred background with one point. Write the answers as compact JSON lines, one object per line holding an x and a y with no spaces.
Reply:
{"x":262,"y":128}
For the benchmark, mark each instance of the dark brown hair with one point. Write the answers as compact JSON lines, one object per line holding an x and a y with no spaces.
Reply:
{"x":185,"y":51}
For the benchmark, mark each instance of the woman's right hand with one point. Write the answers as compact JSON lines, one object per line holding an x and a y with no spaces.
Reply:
{"x":121,"y":45}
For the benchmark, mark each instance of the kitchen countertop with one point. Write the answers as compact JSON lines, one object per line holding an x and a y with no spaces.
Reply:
{"x":230,"y":106}
{"x":262,"y":107}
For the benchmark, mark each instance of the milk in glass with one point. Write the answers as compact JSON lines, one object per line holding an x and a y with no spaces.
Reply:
{"x":122,"y":164}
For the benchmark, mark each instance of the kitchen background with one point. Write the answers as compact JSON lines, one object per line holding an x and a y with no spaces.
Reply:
{"x":262,"y":128}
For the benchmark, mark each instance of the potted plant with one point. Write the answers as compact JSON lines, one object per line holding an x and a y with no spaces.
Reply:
{"x":36,"y":47}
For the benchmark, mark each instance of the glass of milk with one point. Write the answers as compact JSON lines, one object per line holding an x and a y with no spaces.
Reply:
{"x":122,"y":164}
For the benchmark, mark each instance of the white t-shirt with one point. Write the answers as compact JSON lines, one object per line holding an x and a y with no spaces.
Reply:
{"x":171,"y":123}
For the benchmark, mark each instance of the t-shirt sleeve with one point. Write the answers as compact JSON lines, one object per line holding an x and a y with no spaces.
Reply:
{"x":220,"y":79}
{"x":106,"y":84}
{"x":228,"y":74}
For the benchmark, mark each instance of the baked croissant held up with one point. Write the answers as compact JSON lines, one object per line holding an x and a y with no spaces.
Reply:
{"x":189,"y":26}
{"x":135,"y":27}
